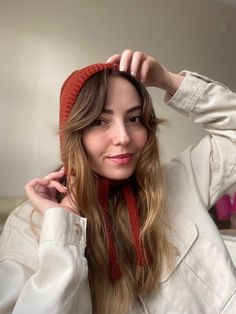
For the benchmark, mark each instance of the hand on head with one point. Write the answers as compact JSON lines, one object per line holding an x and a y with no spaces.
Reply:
{"x":142,"y":66}
{"x":146,"y":69}
{"x":42,"y":193}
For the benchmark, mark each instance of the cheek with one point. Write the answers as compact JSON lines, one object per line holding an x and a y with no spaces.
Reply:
{"x":142,"y":139}
{"x":88,"y":143}
{"x":93,"y":145}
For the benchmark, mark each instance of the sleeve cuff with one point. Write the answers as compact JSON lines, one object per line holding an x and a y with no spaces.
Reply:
{"x":192,"y":87}
{"x":63,"y":228}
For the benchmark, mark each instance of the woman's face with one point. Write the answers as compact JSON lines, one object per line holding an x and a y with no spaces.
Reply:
{"x":115,"y":140}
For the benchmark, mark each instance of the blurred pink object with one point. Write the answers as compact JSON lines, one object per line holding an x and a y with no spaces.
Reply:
{"x":234,"y":204}
{"x":223,"y":208}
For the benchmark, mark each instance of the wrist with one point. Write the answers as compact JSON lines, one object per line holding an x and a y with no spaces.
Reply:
{"x":173,"y":82}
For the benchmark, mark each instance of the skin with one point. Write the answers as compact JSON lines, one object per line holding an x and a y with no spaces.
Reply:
{"x":41,"y":191}
{"x":114,"y":141}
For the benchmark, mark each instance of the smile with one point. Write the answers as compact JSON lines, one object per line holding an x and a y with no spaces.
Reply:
{"x":122,"y":159}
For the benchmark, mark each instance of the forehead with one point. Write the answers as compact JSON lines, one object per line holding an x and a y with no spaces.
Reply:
{"x":121,"y":92}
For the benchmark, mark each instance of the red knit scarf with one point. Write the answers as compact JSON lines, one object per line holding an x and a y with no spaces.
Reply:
{"x":115,"y":271}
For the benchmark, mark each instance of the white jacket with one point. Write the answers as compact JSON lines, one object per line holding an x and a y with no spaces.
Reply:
{"x":44,"y":270}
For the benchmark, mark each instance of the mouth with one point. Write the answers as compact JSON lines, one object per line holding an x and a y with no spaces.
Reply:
{"x":121,"y":159}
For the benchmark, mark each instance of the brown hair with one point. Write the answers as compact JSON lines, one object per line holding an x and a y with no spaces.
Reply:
{"x":116,"y":297}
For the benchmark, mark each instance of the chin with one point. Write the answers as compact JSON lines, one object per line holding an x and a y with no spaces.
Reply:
{"x":118,"y":176}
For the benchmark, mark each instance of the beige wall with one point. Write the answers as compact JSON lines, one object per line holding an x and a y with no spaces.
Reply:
{"x":43,"y":41}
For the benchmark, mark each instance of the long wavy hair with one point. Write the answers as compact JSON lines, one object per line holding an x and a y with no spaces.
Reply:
{"x":117,"y":296}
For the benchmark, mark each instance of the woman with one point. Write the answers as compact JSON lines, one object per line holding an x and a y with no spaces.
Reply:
{"x":114,"y":231}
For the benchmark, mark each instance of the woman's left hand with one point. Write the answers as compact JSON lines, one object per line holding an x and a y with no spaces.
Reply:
{"x":146,"y":69}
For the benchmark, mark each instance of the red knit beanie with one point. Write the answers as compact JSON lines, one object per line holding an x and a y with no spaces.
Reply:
{"x":72,"y":86}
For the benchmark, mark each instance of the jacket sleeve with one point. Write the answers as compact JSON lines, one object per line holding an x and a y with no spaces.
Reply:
{"x":13,"y":276}
{"x":60,"y":283}
{"x":212,"y":162}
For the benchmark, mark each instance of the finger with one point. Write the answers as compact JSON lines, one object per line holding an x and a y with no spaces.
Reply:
{"x":52,"y":186}
{"x":114,"y":59}
{"x":35,"y":182}
{"x":37,"y":186}
{"x":31,"y":188}
{"x":58,"y":186}
{"x":55,"y":175}
{"x":136,"y":62}
{"x":125,"y":60}
{"x":145,"y":69}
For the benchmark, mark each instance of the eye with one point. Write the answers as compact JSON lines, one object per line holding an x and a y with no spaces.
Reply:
{"x":98,"y":122}
{"x":135,"y":119}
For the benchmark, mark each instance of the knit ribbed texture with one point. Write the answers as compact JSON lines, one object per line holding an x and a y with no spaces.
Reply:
{"x":115,"y":271}
{"x":134,"y":222}
{"x":72,"y":86}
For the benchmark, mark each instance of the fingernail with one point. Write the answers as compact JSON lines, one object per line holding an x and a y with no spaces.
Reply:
{"x":133,"y":73}
{"x":122,"y":68}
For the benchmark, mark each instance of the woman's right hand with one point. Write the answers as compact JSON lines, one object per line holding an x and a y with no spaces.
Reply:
{"x":42,"y":193}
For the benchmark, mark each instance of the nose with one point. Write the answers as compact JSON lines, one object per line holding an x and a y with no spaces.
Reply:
{"x":120,"y":135}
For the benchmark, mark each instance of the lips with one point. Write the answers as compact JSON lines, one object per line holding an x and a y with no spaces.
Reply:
{"x":122,"y":159}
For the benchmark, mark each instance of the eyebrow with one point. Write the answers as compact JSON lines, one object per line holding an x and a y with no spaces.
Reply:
{"x":109,"y":111}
